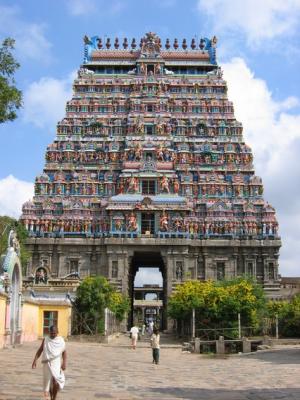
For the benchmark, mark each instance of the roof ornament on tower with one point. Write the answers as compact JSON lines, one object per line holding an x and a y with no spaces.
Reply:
{"x":150,"y":45}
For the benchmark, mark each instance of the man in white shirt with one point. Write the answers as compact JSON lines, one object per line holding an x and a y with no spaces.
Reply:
{"x":150,"y":329}
{"x":154,"y":341}
{"x":134,"y":332}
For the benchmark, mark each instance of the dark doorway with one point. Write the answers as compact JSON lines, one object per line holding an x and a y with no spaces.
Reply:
{"x":148,"y":223}
{"x":150,"y":69}
{"x":149,"y":129}
{"x":143,"y":308}
{"x":148,"y":187}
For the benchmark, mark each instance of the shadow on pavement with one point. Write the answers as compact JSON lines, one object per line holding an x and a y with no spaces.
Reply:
{"x":205,"y":394}
{"x":279,"y":356}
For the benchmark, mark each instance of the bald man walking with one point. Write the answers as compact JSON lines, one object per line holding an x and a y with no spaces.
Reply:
{"x":54,"y":363}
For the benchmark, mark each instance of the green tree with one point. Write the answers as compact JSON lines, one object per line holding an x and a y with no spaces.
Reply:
{"x":92,"y":297}
{"x":288,"y":313}
{"x":6,"y":224}
{"x":119,"y":304}
{"x":10,"y":96}
{"x":217,"y":304}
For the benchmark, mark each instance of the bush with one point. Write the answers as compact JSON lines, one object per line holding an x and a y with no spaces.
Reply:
{"x":92,"y":297}
{"x":288,"y":316}
{"x":217,"y":303}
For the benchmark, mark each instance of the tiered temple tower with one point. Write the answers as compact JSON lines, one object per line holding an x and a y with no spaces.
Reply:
{"x":149,"y":168}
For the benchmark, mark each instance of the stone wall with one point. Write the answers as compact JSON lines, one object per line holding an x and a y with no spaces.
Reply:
{"x":30,"y":322}
{"x":198,"y":259}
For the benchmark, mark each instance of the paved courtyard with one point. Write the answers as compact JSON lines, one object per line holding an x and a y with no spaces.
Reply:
{"x":116,"y":372}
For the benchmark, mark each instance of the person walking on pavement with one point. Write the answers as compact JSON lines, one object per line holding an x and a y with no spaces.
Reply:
{"x":150,"y":328}
{"x":154,"y":340}
{"x":54,"y":363}
{"x":134,"y":334}
{"x":143,"y":329}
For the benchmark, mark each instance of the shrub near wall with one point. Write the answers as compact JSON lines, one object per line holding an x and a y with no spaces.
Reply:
{"x":92,"y":297}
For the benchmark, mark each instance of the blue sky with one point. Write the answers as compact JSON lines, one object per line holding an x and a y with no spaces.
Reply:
{"x":258,"y":49}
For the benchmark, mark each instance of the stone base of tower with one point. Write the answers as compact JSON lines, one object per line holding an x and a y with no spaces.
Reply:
{"x":179,"y":260}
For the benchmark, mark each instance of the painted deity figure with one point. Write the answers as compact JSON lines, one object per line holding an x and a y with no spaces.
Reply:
{"x":121,"y":187}
{"x":167,"y":155}
{"x":132,"y":224}
{"x":133,"y":184}
{"x":142,"y":68}
{"x":40,"y":276}
{"x":139,"y":126}
{"x":164,"y":223}
{"x":164,"y":183}
{"x":138,"y":152}
{"x":176,"y":186}
{"x":159,"y":127}
{"x":118,"y":224}
{"x":177,"y":225}
{"x":160,"y":153}
{"x":130,"y":155}
{"x":157,"y":69}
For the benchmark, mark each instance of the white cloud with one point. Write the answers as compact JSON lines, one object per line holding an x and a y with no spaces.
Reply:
{"x":30,"y":37}
{"x":268,"y":127}
{"x":81,"y":7}
{"x":274,"y":135}
{"x":45,"y":101}
{"x":258,"y":20}
{"x":13,"y":193}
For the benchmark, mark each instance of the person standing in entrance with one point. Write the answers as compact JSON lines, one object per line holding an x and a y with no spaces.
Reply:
{"x":54,"y":361}
{"x":134,"y":334}
{"x":154,"y":340}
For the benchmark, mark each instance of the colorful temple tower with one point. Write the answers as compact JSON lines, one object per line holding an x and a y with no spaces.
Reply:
{"x":149,"y":168}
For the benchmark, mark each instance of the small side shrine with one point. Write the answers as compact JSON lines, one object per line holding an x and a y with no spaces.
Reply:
{"x":11,"y":293}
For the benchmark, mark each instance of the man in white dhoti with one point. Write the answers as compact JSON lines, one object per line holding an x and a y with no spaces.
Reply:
{"x":54,"y":363}
{"x":134,"y":333}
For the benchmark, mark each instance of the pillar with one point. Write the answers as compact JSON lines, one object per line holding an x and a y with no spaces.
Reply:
{"x":246,"y":345}
{"x":7,"y":331}
{"x":220,"y":345}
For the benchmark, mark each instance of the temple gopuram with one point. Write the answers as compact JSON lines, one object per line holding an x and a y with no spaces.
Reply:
{"x":149,"y":168}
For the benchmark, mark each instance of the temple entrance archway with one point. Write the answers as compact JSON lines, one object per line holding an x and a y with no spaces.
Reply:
{"x":145,"y":308}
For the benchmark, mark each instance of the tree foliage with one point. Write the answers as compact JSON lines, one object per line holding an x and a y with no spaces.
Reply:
{"x":6,"y":224}
{"x":10,"y":96}
{"x":119,"y":304}
{"x":92,"y":297}
{"x":288,"y":313}
{"x":217,"y":304}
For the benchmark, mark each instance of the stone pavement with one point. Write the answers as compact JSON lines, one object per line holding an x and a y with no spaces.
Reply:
{"x":115,"y":371}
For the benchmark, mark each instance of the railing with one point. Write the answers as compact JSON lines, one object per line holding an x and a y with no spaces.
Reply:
{"x":227,"y":333}
{"x":159,"y":234}
{"x":111,"y":324}
{"x":148,"y":165}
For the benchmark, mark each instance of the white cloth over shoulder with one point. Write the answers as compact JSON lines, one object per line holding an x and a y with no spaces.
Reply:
{"x":52,"y":351}
{"x":134,"y":331}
